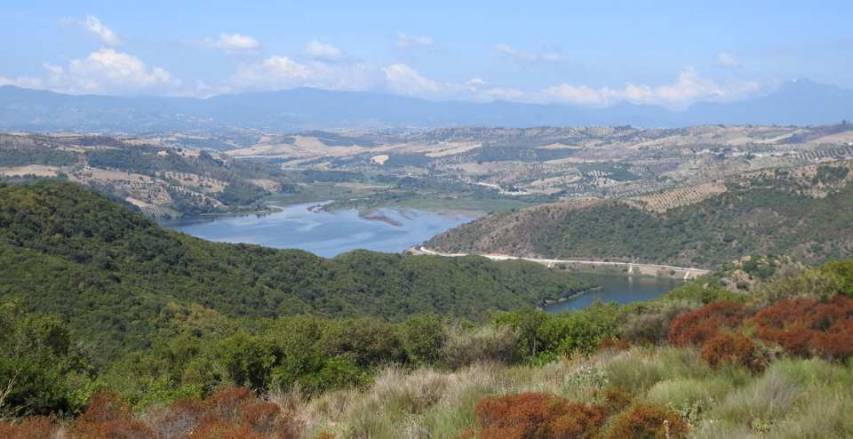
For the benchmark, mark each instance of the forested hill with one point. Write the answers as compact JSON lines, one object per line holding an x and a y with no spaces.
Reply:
{"x":805,"y":213}
{"x":112,"y":273}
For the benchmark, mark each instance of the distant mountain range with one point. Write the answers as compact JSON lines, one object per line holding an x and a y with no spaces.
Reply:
{"x":800,"y":102}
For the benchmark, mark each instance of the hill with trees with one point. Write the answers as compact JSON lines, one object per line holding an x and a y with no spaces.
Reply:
{"x":112,"y":273}
{"x":805,"y":213}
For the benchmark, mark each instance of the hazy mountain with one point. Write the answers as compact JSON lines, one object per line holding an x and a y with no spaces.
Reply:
{"x":800,"y":102}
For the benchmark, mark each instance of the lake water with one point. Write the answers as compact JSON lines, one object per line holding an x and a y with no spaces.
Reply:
{"x":305,"y":227}
{"x":617,"y":288}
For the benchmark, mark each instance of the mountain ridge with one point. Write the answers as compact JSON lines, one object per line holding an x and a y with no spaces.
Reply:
{"x":801,"y":102}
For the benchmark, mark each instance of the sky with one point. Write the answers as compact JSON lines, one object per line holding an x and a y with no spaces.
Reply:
{"x":586,"y":53}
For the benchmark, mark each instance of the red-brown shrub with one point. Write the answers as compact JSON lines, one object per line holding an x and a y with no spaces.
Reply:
{"x":616,"y":399}
{"x":694,"y":327}
{"x":648,"y":421}
{"x":577,"y":421}
{"x":32,"y":427}
{"x":263,"y":417}
{"x":237,"y":412}
{"x":105,"y":406}
{"x":118,"y":429}
{"x":732,"y":348}
{"x":214,"y":429}
{"x":108,"y":417}
{"x":807,"y":326}
{"x":177,"y":420}
{"x":227,"y":404}
{"x":537,"y":416}
{"x":613,"y":344}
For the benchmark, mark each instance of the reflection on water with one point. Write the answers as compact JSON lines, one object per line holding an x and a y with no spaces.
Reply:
{"x":617,"y":288}
{"x":327,"y":233}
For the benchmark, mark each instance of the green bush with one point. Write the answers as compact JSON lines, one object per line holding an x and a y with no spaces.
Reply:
{"x":423,"y":338}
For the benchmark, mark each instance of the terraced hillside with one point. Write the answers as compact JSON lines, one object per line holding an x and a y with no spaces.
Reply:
{"x":805,"y":212}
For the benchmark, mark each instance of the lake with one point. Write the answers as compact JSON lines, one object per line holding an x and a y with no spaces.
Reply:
{"x":306,"y":227}
{"x":617,"y":288}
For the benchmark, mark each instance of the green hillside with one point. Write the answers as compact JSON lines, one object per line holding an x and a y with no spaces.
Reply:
{"x":809,"y":219}
{"x":110,"y":272}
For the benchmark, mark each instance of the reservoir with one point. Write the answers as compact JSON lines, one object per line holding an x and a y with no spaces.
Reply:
{"x":308,"y":227}
{"x":616,"y":288}
{"x":328,"y":234}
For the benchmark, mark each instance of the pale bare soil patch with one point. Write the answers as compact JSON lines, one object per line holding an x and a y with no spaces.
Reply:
{"x":30,"y":170}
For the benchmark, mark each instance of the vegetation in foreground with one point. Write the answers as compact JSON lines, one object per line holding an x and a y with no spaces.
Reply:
{"x":701,"y":362}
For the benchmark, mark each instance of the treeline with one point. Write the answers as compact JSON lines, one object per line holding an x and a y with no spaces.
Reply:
{"x":110,"y":273}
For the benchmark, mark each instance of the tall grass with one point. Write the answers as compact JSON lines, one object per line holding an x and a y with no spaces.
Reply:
{"x":792,"y":398}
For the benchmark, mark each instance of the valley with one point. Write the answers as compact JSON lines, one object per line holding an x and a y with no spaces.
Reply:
{"x":426,"y":220}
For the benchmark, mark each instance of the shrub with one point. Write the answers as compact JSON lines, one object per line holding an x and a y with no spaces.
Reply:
{"x":697,"y":326}
{"x":423,"y":337}
{"x":215,"y":429}
{"x":634,"y":371}
{"x":107,"y":416}
{"x":613,"y":344}
{"x":536,"y":415}
{"x":335,"y":373}
{"x":248,"y":360}
{"x":649,"y":323}
{"x":647,"y":421}
{"x":767,"y":399}
{"x":731,"y":348}
{"x":487,"y":343}
{"x":229,"y":413}
{"x":808,"y":326}
{"x":32,"y":427}
{"x":842,"y":272}
{"x":368,"y":341}
{"x":178,"y":419}
{"x":616,"y":399}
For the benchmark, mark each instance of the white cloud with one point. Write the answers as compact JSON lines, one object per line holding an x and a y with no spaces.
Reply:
{"x":234,"y":43}
{"x":405,"y":41}
{"x":475,"y":83}
{"x":479,"y":90}
{"x":105,"y":71}
{"x":406,"y":80}
{"x":281,"y":72}
{"x":273,"y":70}
{"x":99,"y":29}
{"x":319,"y":50}
{"x":727,"y":60}
{"x":526,"y":57}
{"x":689,"y":87}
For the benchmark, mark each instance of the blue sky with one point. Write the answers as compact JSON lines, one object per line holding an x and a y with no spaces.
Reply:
{"x":590,"y":53}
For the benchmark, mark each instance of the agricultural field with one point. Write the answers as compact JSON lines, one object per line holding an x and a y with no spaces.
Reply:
{"x":537,"y":165}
